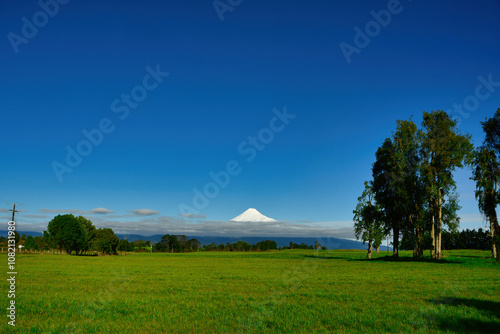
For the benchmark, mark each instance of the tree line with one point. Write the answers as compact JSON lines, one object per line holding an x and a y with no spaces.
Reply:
{"x":466,"y":239}
{"x":413,"y":193}
{"x":78,"y":235}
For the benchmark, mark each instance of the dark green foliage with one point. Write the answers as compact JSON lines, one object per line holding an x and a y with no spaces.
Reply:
{"x":67,"y":233}
{"x":125,"y":246}
{"x":491,"y":128}
{"x":193,"y":245}
{"x":105,"y":241}
{"x":30,"y":243}
{"x":242,"y":246}
{"x":3,"y":241}
{"x":158,"y":247}
{"x":90,"y":231}
{"x":293,"y":245}
{"x":47,"y":241}
{"x":177,"y":244}
{"x":443,"y":150}
{"x":466,"y":239}
{"x":17,"y":237}
{"x":410,"y":185}
{"x":368,"y":224}
{"x":486,"y":174}
{"x":140,"y":245}
{"x":266,"y":245}
{"x":210,"y":247}
{"x":40,"y":244}
{"x":413,"y":179}
{"x":387,"y":188}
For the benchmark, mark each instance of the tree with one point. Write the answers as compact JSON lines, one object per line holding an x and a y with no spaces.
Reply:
{"x":67,"y":233}
{"x":90,"y":231}
{"x":242,"y":246}
{"x":491,"y":128}
{"x":3,"y":241}
{"x":317,"y":245}
{"x":384,"y":186}
{"x":17,"y":237}
{"x":193,"y":245}
{"x":266,"y":245}
{"x":124,"y":245}
{"x":47,"y":240}
{"x":40,"y":244}
{"x":30,"y":243}
{"x":486,"y":174}
{"x":367,"y":218}
{"x":443,"y":150}
{"x":182,"y":243}
{"x":408,"y":183}
{"x":159,"y":246}
{"x":105,"y":241}
{"x":173,"y":243}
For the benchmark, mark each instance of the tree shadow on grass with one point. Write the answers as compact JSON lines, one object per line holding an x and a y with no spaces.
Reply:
{"x":326,"y":257}
{"x":488,"y":309}
{"x":390,"y":258}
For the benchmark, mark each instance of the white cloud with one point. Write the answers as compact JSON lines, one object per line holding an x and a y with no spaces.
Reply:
{"x":145,"y":212}
{"x":101,"y":211}
{"x":192,"y":215}
{"x":172,"y":225}
{"x":151,"y":223}
{"x":35,"y":216}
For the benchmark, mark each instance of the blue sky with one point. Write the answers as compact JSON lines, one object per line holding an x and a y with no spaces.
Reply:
{"x":101,"y":67}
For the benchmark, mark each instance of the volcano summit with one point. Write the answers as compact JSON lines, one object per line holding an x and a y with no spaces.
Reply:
{"x":252,"y":215}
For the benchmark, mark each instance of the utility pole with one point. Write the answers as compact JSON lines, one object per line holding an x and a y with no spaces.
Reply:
{"x":13,"y":214}
{"x":14,"y":210}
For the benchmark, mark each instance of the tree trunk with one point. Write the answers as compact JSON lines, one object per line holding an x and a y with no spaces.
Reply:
{"x":494,"y":251}
{"x":377,"y":249}
{"x":414,"y":236}
{"x":369,"y":255}
{"x":395,"y":242}
{"x":438,"y":228}
{"x":433,"y":236}
{"x":418,"y":242}
{"x":497,"y":240}
{"x":494,"y":229}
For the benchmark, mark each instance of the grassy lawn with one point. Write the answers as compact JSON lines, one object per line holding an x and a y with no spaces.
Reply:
{"x":270,"y":292}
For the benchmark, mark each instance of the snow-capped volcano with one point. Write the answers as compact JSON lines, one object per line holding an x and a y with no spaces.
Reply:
{"x":252,"y":215}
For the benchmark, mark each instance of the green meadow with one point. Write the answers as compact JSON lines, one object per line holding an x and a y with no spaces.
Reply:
{"x":292,"y":291}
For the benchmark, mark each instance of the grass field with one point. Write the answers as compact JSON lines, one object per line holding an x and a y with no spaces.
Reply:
{"x":291,"y":291}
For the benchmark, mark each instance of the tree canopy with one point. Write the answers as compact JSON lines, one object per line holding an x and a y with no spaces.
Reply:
{"x":368,"y":219}
{"x":486,"y":174}
{"x":413,"y":181}
{"x":67,"y":233}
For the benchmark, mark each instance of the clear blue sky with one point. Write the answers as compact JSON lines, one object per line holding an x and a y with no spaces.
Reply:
{"x":75,"y":71}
